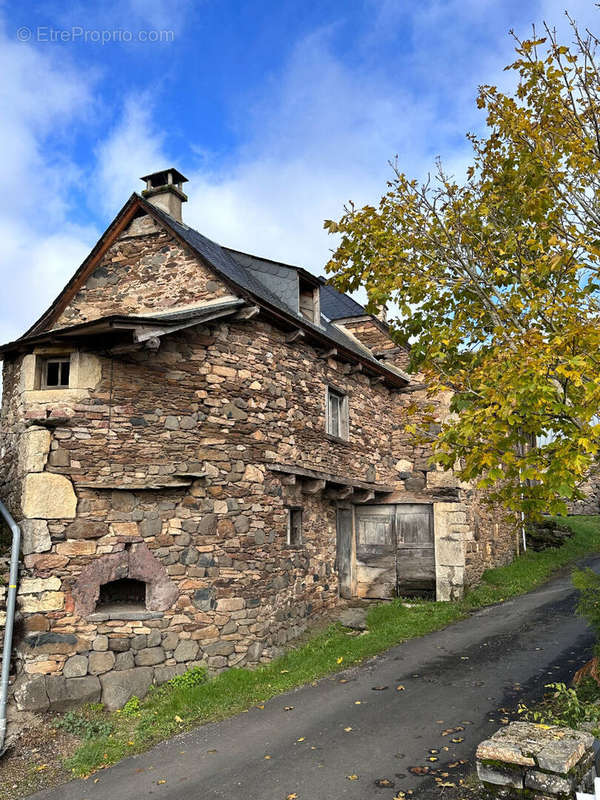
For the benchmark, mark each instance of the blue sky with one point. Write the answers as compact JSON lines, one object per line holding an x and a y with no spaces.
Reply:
{"x":277,"y":112}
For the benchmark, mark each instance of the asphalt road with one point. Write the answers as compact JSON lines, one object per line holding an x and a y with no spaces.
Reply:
{"x":458,"y":677}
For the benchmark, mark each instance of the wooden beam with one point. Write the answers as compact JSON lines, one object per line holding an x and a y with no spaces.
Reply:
{"x":337,"y":480}
{"x":363,"y":496}
{"x":331,"y":353}
{"x":294,"y":335}
{"x":248,"y":313}
{"x":342,"y":493}
{"x":378,"y":379}
{"x":313,"y":486}
{"x":356,"y":368}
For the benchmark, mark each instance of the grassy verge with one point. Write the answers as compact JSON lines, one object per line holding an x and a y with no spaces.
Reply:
{"x":181,"y":705}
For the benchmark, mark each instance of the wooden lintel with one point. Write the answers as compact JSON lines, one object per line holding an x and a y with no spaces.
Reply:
{"x":121,"y":349}
{"x":341,"y":493}
{"x":248,"y":313}
{"x":294,"y":335}
{"x":331,"y":353}
{"x":313,"y":486}
{"x":303,"y":473}
{"x":363,"y":496}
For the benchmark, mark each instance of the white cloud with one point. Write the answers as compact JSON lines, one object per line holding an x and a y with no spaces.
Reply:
{"x":133,"y":148}
{"x":41,"y":98}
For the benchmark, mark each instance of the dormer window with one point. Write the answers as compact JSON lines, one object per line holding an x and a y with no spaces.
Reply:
{"x":308,"y":300}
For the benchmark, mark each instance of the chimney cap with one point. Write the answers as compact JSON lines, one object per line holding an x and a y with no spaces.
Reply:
{"x":161,"y":178}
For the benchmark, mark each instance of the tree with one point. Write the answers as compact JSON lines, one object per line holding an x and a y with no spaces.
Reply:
{"x":496,"y":279}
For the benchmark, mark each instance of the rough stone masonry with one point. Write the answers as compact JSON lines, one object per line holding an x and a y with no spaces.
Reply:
{"x":154,"y":468}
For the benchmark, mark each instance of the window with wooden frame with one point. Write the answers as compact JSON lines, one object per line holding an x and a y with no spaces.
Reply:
{"x":294,"y":532}
{"x":55,"y":372}
{"x":337,"y":419}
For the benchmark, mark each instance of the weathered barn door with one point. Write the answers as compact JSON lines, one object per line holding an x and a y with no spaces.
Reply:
{"x":415,"y":555}
{"x":375,"y":551}
{"x":394,"y":550}
{"x":344,"y":537}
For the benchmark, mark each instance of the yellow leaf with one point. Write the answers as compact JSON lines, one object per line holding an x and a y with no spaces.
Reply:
{"x":162,"y":780}
{"x":340,"y":659}
{"x":301,"y":739}
{"x":352,"y":777}
{"x":268,"y":758}
{"x":400,"y":688}
{"x":291,"y":796}
{"x":348,"y":729}
{"x":178,"y":718}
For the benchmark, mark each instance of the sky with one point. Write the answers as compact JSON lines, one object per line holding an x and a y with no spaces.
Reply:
{"x":277,"y":111}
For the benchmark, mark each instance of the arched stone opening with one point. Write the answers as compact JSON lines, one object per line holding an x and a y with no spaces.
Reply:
{"x":136,"y":564}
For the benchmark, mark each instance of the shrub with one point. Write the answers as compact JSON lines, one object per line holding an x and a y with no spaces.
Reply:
{"x":84,"y":727}
{"x":193,"y":677}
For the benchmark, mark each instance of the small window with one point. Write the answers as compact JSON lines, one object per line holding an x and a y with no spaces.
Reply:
{"x":337,"y":414}
{"x":294,"y":526}
{"x":308,"y":301}
{"x":56,"y":373}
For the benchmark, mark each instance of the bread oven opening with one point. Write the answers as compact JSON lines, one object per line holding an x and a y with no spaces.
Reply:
{"x":125,"y":594}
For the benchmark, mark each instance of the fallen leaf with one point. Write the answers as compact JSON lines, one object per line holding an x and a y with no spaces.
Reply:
{"x":384,"y":783}
{"x":162,"y":780}
{"x":400,"y":688}
{"x":268,"y":758}
{"x":178,"y":718}
{"x":348,"y":729}
{"x":261,"y":707}
{"x":432,"y":758}
{"x":291,"y":796}
{"x":283,"y":671}
{"x":379,"y":688}
{"x":434,"y":752}
{"x":288,"y":708}
{"x":301,"y":739}
{"x":457,"y":739}
{"x":357,"y":702}
{"x":96,"y":780}
{"x":419,"y":770}
{"x":340,"y":659}
{"x":343,"y":680}
{"x":352,"y":777}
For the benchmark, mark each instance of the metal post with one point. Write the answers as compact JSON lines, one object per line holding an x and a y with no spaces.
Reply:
{"x":10,"y":618}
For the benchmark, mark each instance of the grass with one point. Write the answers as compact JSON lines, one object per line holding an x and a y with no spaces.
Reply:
{"x":181,"y":705}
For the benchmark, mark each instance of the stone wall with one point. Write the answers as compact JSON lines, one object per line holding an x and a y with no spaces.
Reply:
{"x":145,"y":270}
{"x":154,"y":466}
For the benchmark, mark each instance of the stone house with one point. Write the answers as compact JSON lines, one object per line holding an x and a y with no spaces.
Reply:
{"x":205,"y":449}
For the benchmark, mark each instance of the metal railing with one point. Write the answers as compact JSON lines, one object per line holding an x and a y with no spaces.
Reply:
{"x":11,"y":600}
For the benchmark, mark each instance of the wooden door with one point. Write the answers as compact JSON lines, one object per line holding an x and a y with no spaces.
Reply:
{"x":375,"y":551}
{"x":415,"y":552}
{"x":344,"y":537}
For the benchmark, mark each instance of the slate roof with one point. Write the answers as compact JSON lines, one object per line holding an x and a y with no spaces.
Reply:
{"x":240,"y":270}
{"x":223,"y":261}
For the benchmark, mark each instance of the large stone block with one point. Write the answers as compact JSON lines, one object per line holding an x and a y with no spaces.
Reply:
{"x":119,"y":687}
{"x":47,"y":495}
{"x":101,"y":662}
{"x":36,"y":585}
{"x":34,"y":447}
{"x":35,"y":536}
{"x":66,"y":693}
{"x":76,"y":547}
{"x":186,"y":650}
{"x":31,"y":695}
{"x":75,"y":667}
{"x":150,"y":656}
{"x":86,"y":529}
{"x":47,"y":601}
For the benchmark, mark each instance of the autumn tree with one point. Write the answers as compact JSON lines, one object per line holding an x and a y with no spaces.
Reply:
{"x":496,"y":279}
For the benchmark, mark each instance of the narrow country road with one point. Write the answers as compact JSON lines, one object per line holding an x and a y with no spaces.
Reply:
{"x":460,"y":676}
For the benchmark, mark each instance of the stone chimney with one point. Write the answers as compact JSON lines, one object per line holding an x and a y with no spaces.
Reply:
{"x":163,"y":190}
